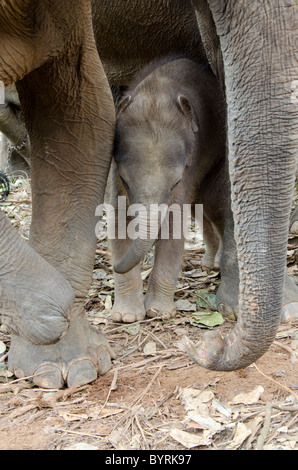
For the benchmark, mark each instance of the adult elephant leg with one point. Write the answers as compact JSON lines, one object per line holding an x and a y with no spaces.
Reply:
{"x":70,"y":121}
{"x":35,"y":299}
{"x":227,"y":295}
{"x":294,"y":222}
{"x":259,"y":68}
{"x":228,"y":292}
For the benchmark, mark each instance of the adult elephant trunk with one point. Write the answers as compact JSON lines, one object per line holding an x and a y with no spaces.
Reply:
{"x":144,"y":231}
{"x":258,"y":44}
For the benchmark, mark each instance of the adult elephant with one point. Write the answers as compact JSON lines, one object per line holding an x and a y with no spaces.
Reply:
{"x":251,"y":47}
{"x":49,"y":50}
{"x":256,"y":63}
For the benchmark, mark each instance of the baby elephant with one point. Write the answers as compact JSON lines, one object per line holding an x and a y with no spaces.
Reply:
{"x":169,"y":150}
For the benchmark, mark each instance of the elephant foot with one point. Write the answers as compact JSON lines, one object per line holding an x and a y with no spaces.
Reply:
{"x":210,"y":262}
{"x":227,"y":299}
{"x":161,"y":308}
{"x":128,"y":310}
{"x":294,"y":228}
{"x":290,"y":304}
{"x":294,"y":222}
{"x":77,"y":359}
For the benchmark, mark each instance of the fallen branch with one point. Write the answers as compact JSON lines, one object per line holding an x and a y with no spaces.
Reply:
{"x":291,"y":392}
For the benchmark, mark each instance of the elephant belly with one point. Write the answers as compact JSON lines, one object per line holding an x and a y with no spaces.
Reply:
{"x":133,"y":33}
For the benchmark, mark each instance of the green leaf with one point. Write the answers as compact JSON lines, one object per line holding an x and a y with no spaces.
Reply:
{"x":133,"y":329}
{"x":207,"y":301}
{"x":207,"y":319}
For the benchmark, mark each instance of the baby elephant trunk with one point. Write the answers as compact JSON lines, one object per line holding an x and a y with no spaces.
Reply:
{"x":143,"y":230}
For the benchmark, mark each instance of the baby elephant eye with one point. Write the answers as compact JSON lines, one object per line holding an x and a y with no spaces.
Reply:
{"x":175,"y":185}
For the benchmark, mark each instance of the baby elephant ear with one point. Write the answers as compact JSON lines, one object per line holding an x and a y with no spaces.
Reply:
{"x":123,"y":104}
{"x":185,"y":107}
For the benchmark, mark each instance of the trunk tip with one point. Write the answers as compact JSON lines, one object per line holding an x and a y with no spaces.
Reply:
{"x":222,"y":353}
{"x":123,"y":267}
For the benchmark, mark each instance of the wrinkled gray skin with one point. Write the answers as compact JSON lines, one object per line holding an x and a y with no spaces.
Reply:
{"x":14,"y":133}
{"x":169,"y":149}
{"x":49,"y":46}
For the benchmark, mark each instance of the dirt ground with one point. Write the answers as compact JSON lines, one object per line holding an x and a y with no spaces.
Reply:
{"x":154,"y":397}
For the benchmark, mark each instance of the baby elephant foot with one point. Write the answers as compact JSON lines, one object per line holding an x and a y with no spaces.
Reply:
{"x":159,"y":308}
{"x":77,"y":359}
{"x":128,"y":310}
{"x":210,"y":262}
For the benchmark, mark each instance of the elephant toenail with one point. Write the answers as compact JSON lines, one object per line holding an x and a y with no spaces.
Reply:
{"x":116,"y":317}
{"x":48,"y":376}
{"x":81,"y":373}
{"x":289,"y":312}
{"x":226,"y":311}
{"x":104,"y":362}
{"x":128,"y":318}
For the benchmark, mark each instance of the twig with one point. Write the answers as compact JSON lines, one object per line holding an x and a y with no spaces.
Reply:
{"x":78,"y":433}
{"x":283,"y":346}
{"x":112,"y":387}
{"x":22,"y":201}
{"x":206,"y":301}
{"x":282,"y":424}
{"x":277,"y":383}
{"x":141,"y":430}
{"x":139,"y":397}
{"x":122,"y":327}
{"x":148,"y":386}
{"x":265,"y":430}
{"x":150,"y":359}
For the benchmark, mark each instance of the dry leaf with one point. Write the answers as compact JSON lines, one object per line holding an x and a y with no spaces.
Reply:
{"x":193,"y":398}
{"x":221,"y":408}
{"x":81,"y":446}
{"x":206,"y":421}
{"x":2,"y":347}
{"x":241,"y":433}
{"x":108,"y":303}
{"x":146,"y":273}
{"x":150,"y":348}
{"x":188,"y":439}
{"x":185,"y":306}
{"x":250,"y":397}
{"x":69,"y":417}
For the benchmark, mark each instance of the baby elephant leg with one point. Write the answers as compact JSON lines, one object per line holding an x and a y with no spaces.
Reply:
{"x":214,"y":246}
{"x":128,"y":304}
{"x":159,"y":299}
